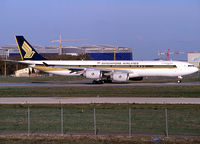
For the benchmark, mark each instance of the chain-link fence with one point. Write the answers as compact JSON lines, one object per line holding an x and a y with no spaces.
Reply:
{"x":100,"y":120}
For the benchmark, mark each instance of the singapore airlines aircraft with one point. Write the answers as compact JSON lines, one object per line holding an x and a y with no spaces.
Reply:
{"x":103,"y":71}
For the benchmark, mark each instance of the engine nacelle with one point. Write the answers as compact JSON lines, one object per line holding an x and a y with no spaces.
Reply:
{"x":93,"y":74}
{"x":120,"y":76}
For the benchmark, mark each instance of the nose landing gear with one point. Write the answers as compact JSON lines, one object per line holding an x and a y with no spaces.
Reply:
{"x":180,"y":79}
{"x":101,"y":81}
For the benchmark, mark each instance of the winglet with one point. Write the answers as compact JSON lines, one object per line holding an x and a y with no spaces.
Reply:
{"x":27,"y":52}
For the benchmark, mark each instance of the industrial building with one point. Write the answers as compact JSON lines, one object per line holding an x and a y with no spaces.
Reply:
{"x":96,"y":52}
{"x":194,"y":58}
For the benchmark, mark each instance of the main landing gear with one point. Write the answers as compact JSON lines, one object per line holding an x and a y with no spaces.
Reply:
{"x":101,"y":81}
{"x":180,"y":79}
{"x":97,"y":82}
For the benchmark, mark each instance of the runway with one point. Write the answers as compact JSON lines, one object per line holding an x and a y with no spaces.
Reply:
{"x":89,"y":84}
{"x":96,"y":100}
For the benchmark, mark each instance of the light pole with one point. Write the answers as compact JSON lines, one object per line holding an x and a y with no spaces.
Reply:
{"x":5,"y":66}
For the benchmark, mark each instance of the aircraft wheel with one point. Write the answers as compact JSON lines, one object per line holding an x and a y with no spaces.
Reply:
{"x":94,"y":82}
{"x":97,"y":82}
{"x":101,"y":82}
{"x":180,"y":79}
{"x":108,"y":81}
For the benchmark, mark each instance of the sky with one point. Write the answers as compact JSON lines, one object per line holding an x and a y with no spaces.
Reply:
{"x":147,"y":26}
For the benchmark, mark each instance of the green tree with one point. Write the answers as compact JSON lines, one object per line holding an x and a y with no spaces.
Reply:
{"x":1,"y":66}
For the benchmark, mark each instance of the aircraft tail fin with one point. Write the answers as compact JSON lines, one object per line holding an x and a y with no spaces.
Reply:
{"x":27,"y":52}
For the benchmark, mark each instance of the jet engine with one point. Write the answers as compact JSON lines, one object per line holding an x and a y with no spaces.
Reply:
{"x":120,"y":76}
{"x":93,"y":74}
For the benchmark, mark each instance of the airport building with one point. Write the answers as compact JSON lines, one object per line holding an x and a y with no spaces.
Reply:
{"x":96,"y":52}
{"x":194,"y":58}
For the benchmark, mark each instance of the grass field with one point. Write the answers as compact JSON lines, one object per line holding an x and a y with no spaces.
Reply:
{"x":77,"y":139}
{"x":143,"y":91}
{"x":38,"y":79}
{"x":111,"y":119}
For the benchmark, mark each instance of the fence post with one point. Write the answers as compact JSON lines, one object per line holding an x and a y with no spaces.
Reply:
{"x":95,"y":128}
{"x":130,"y":122}
{"x":166,"y":123}
{"x":61,"y":119}
{"x":28,"y":120}
{"x":5,"y":67}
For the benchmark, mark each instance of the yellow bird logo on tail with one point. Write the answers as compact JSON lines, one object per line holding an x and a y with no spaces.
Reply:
{"x":28,"y":50}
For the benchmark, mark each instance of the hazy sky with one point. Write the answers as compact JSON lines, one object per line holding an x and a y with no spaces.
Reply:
{"x":145,"y":25}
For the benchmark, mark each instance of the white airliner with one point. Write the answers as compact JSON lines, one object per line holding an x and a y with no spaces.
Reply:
{"x":103,"y":71}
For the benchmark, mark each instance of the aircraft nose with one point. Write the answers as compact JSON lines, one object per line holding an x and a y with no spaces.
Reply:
{"x":196,"y":69}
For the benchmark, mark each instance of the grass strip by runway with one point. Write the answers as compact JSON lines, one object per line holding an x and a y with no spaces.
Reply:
{"x":39,"y":79}
{"x":144,"y":91}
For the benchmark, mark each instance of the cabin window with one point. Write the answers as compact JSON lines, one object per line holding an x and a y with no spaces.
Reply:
{"x":190,"y":65}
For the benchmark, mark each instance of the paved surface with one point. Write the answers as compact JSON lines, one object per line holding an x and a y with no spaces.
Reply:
{"x":92,"y":100}
{"x":88,"y":84}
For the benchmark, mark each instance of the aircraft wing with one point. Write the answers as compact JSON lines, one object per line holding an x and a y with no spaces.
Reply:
{"x":79,"y":70}
{"x":75,"y":68}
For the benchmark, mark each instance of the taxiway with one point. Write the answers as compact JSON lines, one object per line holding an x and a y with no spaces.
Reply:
{"x":96,"y":100}
{"x":88,"y":84}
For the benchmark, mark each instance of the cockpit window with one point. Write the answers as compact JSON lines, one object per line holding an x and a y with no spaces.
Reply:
{"x":190,"y":65}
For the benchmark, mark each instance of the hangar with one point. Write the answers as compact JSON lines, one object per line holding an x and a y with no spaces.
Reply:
{"x":96,"y":52}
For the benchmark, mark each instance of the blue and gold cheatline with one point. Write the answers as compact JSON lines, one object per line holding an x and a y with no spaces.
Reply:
{"x":27,"y":52}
